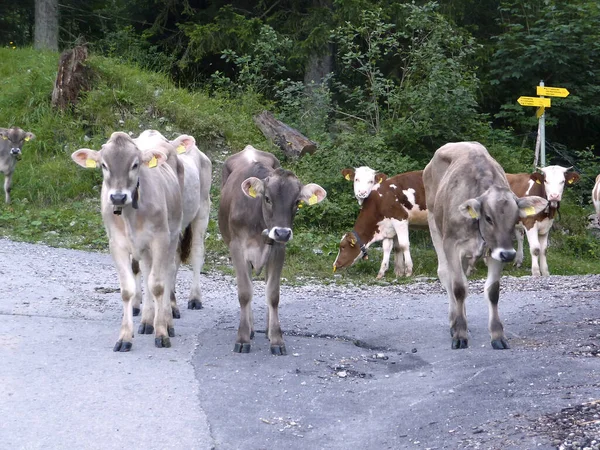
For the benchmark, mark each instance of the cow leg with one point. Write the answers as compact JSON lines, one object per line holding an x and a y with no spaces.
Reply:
{"x":543,"y":251}
{"x":137,"y":298}
{"x":398,"y":258}
{"x":160,"y":281}
{"x":436,"y":238}
{"x":492,"y":294}
{"x":387,"y":246}
{"x":244,"y":288}
{"x":401,"y":228}
{"x":457,"y":294}
{"x":148,"y":307}
{"x":199,"y":226}
{"x":273,"y":280}
{"x":534,"y":250}
{"x":172,"y":296}
{"x":127,"y":284}
{"x":519,"y":234}
{"x":7,"y":187}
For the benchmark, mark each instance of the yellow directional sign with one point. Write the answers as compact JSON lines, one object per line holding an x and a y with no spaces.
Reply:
{"x":540,"y":111}
{"x":552,"y":91}
{"x":534,"y":101}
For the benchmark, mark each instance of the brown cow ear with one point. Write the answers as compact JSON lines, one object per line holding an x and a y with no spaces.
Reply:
{"x":312,"y":194}
{"x":253,"y":187}
{"x":380,"y":177}
{"x":537,"y":177}
{"x":470,"y":209}
{"x":348,"y":174}
{"x":183,"y":143}
{"x":153,"y":158}
{"x":29,"y":136}
{"x":86,"y":158}
{"x":571,"y":178}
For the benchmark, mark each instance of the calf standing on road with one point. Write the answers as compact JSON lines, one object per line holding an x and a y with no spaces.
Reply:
{"x":259,"y":200}
{"x":470,"y":205}
{"x":11,"y":143}
{"x":141,"y":210}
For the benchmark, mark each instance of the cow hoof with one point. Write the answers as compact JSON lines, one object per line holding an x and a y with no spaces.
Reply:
{"x":162,"y":342}
{"x":136,"y":311}
{"x":121,"y":346}
{"x":500,"y":344}
{"x":252,"y":334}
{"x":146,"y":328}
{"x":171,"y":331}
{"x":278,"y":350}
{"x":176,"y":313}
{"x":241,"y":348}
{"x":460,"y":343}
{"x":195,"y":304}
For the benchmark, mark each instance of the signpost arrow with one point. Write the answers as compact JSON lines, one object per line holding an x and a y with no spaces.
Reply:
{"x":552,"y":91}
{"x":534,"y":101}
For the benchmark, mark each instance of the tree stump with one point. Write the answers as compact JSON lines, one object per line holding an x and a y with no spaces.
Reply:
{"x":72,"y":77}
{"x":293,"y":143}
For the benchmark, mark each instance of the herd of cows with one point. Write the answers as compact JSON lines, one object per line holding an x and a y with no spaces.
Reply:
{"x":155,"y":204}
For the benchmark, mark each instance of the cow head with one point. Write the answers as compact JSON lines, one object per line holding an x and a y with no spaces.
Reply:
{"x":496,"y":212}
{"x":121,"y":161}
{"x":15,"y":137}
{"x":555,"y":178}
{"x":281,"y":194}
{"x":365,"y":179}
{"x":351,"y":250}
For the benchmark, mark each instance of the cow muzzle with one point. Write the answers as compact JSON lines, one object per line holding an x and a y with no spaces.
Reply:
{"x":118,"y":199}
{"x":504,"y":255}
{"x":16,"y":152}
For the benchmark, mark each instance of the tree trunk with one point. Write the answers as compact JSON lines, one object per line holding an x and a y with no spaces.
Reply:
{"x":72,"y":77}
{"x":318,"y":66}
{"x":291,"y":142}
{"x":46,"y":25}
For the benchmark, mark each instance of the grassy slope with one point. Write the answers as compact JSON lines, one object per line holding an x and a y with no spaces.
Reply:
{"x":57,"y":202}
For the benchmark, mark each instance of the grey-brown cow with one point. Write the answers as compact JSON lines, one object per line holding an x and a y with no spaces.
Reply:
{"x":470,"y":204}
{"x":11,"y":143}
{"x":141,"y":210}
{"x":259,"y":200}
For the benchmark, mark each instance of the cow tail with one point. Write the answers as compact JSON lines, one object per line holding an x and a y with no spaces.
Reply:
{"x":185,"y":244}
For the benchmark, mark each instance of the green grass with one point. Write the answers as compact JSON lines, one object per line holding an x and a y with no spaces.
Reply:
{"x":57,"y":203}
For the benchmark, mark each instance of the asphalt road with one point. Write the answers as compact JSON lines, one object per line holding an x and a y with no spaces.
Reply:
{"x":367,"y":367}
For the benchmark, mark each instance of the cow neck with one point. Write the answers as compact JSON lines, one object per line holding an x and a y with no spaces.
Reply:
{"x":366,"y":223}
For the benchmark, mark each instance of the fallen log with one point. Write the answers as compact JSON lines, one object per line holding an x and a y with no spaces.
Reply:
{"x":293,"y":143}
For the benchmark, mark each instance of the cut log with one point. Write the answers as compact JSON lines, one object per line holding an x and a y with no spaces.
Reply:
{"x":293,"y":143}
{"x":73,"y":77}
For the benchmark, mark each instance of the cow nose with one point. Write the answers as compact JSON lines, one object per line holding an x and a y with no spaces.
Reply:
{"x":118,"y":199}
{"x":282,"y":234}
{"x":15,"y":151}
{"x":507,"y":255}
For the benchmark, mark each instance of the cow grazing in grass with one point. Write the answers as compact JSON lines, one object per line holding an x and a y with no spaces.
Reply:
{"x":386,"y":214}
{"x":549,"y":183}
{"x":196,"y":169}
{"x":259,"y":200}
{"x":141,"y":210}
{"x":11,"y":144}
{"x":470,"y":206}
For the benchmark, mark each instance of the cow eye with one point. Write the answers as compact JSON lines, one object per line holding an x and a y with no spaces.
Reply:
{"x":488,"y":219}
{"x":104,"y":167}
{"x":135,"y":166}
{"x":267,"y":200}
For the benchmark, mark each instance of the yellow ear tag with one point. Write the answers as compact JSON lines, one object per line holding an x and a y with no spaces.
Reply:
{"x":252,"y":192}
{"x":90,"y":163}
{"x":153,"y":162}
{"x":538,"y":181}
{"x":570,"y":181}
{"x":5,"y":137}
{"x":27,"y":138}
{"x":472,"y":213}
{"x":300,"y":205}
{"x":313,"y":199}
{"x":347,"y":177}
{"x":530,"y":210}
{"x":380,"y":180}
{"x":181,"y":149}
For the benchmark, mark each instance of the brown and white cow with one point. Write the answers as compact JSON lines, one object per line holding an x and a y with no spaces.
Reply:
{"x":141,"y":210}
{"x":259,"y":200}
{"x":197,"y":178}
{"x":470,"y":206}
{"x":11,"y":144}
{"x":549,"y":183}
{"x":391,"y":207}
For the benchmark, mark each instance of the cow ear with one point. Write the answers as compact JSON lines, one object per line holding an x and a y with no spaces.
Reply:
{"x":571,"y":178}
{"x":348,"y":174}
{"x":380,"y":177}
{"x":312,"y":194}
{"x":184,"y":143}
{"x":3,"y":133}
{"x":537,"y":177}
{"x":253,"y":187}
{"x":86,"y":158}
{"x":531,"y":205}
{"x":153,"y":158}
{"x":29,"y":136}
{"x":471,"y":209}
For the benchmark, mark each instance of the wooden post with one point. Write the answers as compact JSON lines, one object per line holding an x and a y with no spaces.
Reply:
{"x":72,"y":77}
{"x":291,"y":141}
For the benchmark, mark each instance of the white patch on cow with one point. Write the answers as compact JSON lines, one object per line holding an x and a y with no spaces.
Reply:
{"x":381,"y":195}
{"x":543,"y":226}
{"x":530,"y":184}
{"x":393,"y":186}
{"x":364,"y":181}
{"x":250,"y":154}
{"x":376,"y":187}
{"x":554,"y":182}
{"x":410,"y":195}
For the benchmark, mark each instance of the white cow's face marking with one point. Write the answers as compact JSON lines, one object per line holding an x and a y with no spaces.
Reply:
{"x":554,"y":182}
{"x":364,"y":180}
